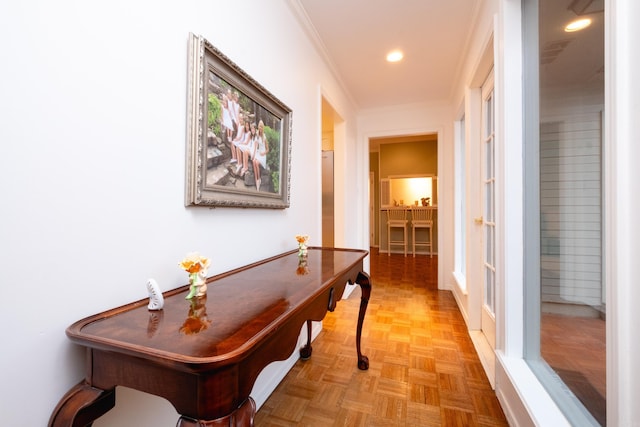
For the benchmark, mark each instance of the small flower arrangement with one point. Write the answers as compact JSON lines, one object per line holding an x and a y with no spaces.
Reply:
{"x":302,"y":244}
{"x":197,"y":266}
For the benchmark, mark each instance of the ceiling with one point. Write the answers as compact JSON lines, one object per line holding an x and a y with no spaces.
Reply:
{"x":355,"y":35}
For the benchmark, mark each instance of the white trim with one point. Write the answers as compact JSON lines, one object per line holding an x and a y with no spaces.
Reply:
{"x":460,"y":281}
{"x":524,"y":400}
{"x":460,"y":203}
{"x":615,"y":415}
{"x":348,"y":289}
{"x":462,"y":302}
{"x":622,"y":243}
{"x":486,"y":354}
{"x":473,"y":105}
{"x":509,"y":110}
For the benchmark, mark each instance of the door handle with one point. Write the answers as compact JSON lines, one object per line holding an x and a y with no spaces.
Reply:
{"x":478,"y":220}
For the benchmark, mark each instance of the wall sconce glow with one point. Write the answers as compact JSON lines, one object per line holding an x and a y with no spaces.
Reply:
{"x":395,"y":56}
{"x":577,"y":25}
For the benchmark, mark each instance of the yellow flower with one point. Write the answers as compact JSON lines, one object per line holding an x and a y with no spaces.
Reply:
{"x":194,"y":263}
{"x":302,"y":238}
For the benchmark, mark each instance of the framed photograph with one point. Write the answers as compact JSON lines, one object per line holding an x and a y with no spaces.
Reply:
{"x":238,"y":136}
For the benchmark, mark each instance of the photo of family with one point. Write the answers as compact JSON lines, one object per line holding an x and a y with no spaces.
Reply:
{"x":243,"y":141}
{"x":239,"y":134}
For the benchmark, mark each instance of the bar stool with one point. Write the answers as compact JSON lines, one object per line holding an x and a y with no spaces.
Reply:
{"x":397,"y":218}
{"x":422,"y":217}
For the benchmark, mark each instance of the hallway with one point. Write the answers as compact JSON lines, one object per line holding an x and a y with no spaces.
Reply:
{"x":424,"y":370}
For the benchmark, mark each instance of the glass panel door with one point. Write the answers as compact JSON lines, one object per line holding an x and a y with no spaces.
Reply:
{"x":488,"y":209}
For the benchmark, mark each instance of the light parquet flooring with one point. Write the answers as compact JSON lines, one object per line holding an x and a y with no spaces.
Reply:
{"x":424,"y":370}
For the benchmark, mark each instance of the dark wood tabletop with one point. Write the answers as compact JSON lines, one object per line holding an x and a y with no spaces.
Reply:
{"x":204,"y":354}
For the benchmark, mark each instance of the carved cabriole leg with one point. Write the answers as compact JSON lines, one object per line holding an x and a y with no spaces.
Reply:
{"x":241,"y":417}
{"x":81,"y":406}
{"x":305,"y":352}
{"x":365,"y":285}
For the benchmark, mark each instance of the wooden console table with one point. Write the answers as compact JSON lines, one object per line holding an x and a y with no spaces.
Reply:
{"x":204,"y":355}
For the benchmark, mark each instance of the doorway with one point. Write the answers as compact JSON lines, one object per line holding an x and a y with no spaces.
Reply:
{"x":328,"y":178}
{"x":401,"y":158}
{"x":328,"y":220}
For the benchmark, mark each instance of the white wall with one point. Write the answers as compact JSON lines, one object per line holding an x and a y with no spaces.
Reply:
{"x":92,"y":149}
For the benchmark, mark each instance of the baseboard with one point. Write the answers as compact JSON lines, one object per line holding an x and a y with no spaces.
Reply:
{"x":348,"y":290}
{"x":486,"y":355}
{"x":524,"y":400}
{"x":274,"y":373}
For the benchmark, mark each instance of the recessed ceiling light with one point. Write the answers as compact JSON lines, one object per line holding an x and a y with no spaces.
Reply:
{"x":577,"y":25}
{"x":395,"y":56}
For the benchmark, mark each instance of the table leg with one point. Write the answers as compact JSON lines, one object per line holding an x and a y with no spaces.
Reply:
{"x":305,"y":352}
{"x":241,"y":417}
{"x":81,"y":406}
{"x":365,"y":285}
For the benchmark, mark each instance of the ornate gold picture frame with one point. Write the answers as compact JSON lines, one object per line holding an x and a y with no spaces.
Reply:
{"x":238,"y":135}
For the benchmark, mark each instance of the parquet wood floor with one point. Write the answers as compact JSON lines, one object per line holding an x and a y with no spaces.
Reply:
{"x":424,"y":370}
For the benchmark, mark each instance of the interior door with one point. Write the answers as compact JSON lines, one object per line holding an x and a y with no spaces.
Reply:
{"x":487,"y":168}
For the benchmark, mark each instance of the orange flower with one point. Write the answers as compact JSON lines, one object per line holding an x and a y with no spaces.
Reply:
{"x":194,"y":263}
